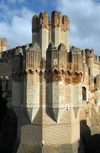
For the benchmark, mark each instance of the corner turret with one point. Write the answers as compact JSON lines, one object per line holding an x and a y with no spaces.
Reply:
{"x":3,"y":45}
{"x":90,"y":60}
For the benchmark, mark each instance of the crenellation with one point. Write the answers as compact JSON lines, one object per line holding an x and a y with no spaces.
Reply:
{"x":56,"y":30}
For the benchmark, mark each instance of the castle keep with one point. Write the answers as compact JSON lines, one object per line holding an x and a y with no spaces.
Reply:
{"x":52,"y":87}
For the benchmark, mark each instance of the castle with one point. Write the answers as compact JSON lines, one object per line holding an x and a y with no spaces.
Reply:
{"x":51,"y":86}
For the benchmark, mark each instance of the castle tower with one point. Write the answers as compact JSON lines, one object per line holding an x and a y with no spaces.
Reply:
{"x":57,"y":64}
{"x":45,"y":31}
{"x":60,"y":29}
{"x":40,"y":31}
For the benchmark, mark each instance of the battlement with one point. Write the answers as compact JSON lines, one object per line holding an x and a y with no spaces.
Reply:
{"x":43,"y":20}
{"x":45,"y":31}
{"x":19,"y":50}
{"x":89,"y":53}
{"x":75,"y":50}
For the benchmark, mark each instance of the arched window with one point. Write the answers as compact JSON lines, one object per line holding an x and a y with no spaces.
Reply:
{"x":62,"y":71}
{"x":83,"y":93}
{"x":30,"y":71}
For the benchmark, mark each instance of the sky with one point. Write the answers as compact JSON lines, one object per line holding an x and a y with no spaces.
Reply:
{"x":84,"y":15}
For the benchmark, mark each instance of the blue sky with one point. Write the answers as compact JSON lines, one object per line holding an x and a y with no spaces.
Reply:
{"x":84,"y":15}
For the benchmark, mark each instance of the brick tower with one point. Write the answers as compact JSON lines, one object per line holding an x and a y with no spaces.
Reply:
{"x":47,"y":98}
{"x":53,"y":88}
{"x":45,"y":31}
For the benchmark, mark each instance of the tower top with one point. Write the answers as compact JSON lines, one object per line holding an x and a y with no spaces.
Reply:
{"x":46,"y":30}
{"x":44,"y":19}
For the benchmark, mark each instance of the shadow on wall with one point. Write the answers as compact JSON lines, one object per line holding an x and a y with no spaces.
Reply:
{"x":90,"y":143}
{"x":8,"y":126}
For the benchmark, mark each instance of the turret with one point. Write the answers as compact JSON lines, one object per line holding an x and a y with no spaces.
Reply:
{"x":56,"y":64}
{"x":60,"y":29}
{"x":54,"y":18}
{"x":45,"y":31}
{"x":45,"y":18}
{"x":77,"y":59}
{"x":4,"y":44}
{"x":60,"y":18}
{"x":33,"y":58}
{"x":35,"y":23}
{"x":40,"y":31}
{"x":83,"y":56}
{"x":65,"y":21}
{"x":90,"y":60}
{"x":56,"y":57}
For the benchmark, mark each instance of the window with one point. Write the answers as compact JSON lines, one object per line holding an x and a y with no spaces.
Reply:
{"x":55,"y":61}
{"x":42,"y":143}
{"x":67,"y":108}
{"x":83,"y":93}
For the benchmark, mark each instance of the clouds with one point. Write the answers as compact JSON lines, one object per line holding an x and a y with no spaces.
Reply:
{"x":16,"y":16}
{"x":84,"y":22}
{"x":15,"y":20}
{"x":18,"y":31}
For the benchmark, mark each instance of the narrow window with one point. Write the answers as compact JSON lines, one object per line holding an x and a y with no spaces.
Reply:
{"x":67,"y":108}
{"x":83,"y":93}
{"x":42,"y":20}
{"x":42,"y":143}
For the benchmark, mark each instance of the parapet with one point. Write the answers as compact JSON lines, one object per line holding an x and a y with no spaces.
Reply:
{"x":89,"y":53}
{"x":62,"y":47}
{"x":51,"y":47}
{"x":75,"y":50}
{"x":58,"y":20}
{"x":35,"y":47}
